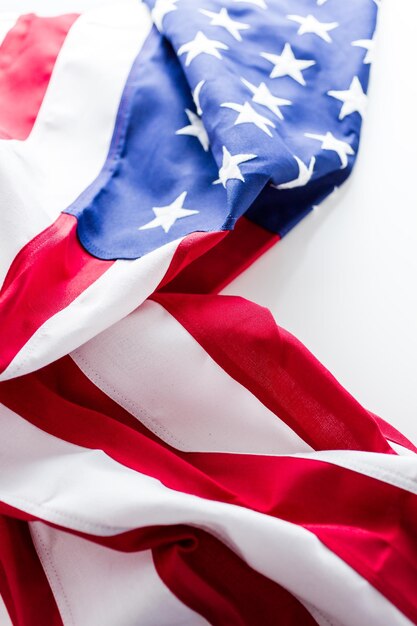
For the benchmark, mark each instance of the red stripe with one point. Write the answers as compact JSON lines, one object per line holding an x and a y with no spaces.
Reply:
{"x":54,"y":268}
{"x":23,"y":584}
{"x":44,"y":278}
{"x":203,"y":574}
{"x":234,"y":253}
{"x":27,"y":57}
{"x":369,"y":524}
{"x":358,"y":517}
{"x":212,"y":580}
{"x":245,"y":341}
{"x":190,"y":250}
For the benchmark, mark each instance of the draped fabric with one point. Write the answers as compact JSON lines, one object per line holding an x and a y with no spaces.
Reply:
{"x":170,"y":455}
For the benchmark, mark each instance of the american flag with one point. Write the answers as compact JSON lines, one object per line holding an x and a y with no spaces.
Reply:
{"x":169,"y":455}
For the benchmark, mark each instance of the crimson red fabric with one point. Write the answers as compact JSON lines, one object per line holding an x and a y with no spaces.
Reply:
{"x":47,"y":275}
{"x":232,"y":254}
{"x":191,"y":249}
{"x":363,"y":520}
{"x":211,"y":579}
{"x":23,"y":583}
{"x":54,"y":268}
{"x":27,"y":57}
{"x":384,"y":553}
{"x":188,"y":560}
{"x":243,"y":338}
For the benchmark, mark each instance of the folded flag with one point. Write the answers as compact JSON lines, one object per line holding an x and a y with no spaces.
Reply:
{"x":127,"y":141}
{"x":194,"y":464}
{"x":170,"y":455}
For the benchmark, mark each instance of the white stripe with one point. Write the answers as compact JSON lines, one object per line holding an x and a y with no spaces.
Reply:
{"x":70,"y":139}
{"x":192,"y":403}
{"x":97,"y":586}
{"x":4,"y":615}
{"x":123,"y":287}
{"x":87,"y":491}
{"x":400,"y":471}
{"x":321,"y":619}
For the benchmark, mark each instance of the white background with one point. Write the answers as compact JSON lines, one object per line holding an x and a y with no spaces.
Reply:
{"x":344,"y":280}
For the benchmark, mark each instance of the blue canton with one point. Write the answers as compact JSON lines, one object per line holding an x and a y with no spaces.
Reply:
{"x":235,"y":107}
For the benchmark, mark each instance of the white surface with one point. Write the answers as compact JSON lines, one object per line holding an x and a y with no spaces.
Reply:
{"x":344,"y":281}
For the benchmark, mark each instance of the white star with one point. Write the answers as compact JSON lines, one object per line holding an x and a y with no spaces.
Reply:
{"x":202,"y":45}
{"x":262,"y":95}
{"x":285,"y":64}
{"x":329,"y":142}
{"x":166,"y":216}
{"x":354,"y":99}
{"x":309,"y":24}
{"x":161,"y":8}
{"x":368,"y":44}
{"x":223,"y":19}
{"x":196,"y":96}
{"x":248,"y":115}
{"x":257,"y":3}
{"x":195,"y":129}
{"x":320,"y":2}
{"x":304,"y":175}
{"x":230,"y":166}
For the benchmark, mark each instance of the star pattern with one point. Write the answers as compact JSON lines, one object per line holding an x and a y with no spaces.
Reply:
{"x":230,"y":166}
{"x":310,"y":24}
{"x":368,"y":45}
{"x":354,"y":99}
{"x":248,"y":115}
{"x":329,"y":142}
{"x":161,"y":8}
{"x":286,"y":64}
{"x":262,"y":96}
{"x":195,"y":129}
{"x":166,"y":216}
{"x":223,"y":19}
{"x":304,"y":174}
{"x":201,"y":45}
{"x":279,"y":95}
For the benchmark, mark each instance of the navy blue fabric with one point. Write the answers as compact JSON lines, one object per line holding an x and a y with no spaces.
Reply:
{"x":149,"y":165}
